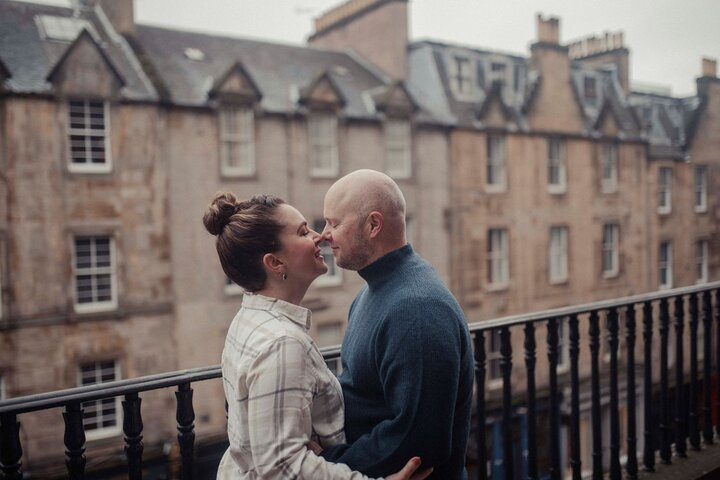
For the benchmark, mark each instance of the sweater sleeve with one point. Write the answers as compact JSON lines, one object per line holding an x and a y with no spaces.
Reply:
{"x":418,"y":362}
{"x":280,"y":392}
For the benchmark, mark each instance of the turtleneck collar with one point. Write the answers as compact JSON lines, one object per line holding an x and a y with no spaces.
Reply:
{"x":384,"y":266}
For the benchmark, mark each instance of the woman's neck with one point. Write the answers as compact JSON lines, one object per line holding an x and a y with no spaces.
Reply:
{"x":284,"y":290}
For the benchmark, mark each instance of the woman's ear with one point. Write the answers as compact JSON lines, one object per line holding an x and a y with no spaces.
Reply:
{"x":273,"y":264}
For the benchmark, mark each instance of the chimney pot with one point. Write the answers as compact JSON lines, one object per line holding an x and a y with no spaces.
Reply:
{"x":548,"y":29}
{"x":709,"y":67}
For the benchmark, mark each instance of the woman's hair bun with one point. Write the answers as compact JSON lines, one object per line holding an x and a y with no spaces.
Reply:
{"x":223,"y":206}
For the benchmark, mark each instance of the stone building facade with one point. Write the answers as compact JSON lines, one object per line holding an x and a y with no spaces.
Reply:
{"x":531,"y":182}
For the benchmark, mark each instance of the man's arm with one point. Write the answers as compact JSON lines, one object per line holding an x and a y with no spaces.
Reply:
{"x":418,"y":358}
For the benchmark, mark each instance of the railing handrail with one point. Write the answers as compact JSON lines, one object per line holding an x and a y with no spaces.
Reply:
{"x":61,"y":398}
{"x":521,"y":319}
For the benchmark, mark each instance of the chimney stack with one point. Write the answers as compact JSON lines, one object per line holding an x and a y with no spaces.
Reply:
{"x":709,"y":67}
{"x":376,"y":29}
{"x":548,"y":30}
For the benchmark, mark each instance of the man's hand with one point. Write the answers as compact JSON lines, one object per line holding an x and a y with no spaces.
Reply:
{"x":407,"y":472}
{"x":314,"y":447}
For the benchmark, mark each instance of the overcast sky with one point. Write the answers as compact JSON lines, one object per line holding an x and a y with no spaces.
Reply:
{"x":667,"y":38}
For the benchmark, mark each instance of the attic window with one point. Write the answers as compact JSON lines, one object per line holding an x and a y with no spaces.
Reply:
{"x":62,"y":29}
{"x":590,"y":90}
{"x":194,"y":54}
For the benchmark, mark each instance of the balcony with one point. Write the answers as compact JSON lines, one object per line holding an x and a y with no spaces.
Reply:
{"x":623,"y":388}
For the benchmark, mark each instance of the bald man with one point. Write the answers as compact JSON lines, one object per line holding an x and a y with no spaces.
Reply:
{"x":407,"y":358}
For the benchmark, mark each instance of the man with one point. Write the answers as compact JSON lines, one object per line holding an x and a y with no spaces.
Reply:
{"x":407,"y":357}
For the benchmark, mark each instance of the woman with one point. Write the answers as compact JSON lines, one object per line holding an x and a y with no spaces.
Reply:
{"x":279,"y":391}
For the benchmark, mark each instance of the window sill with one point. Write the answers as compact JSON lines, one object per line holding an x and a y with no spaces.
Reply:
{"x":557,"y":189}
{"x":89,"y":168}
{"x":700,"y":209}
{"x":664,"y":211}
{"x":495,"y":188}
{"x":560,"y":282}
{"x":498,"y":287}
{"x":611,"y":274}
{"x":82,"y":309}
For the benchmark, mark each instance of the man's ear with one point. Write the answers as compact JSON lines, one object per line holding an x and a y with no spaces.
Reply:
{"x":273,"y":264}
{"x":376,"y":222}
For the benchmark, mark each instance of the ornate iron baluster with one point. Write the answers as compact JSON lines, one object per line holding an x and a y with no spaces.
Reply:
{"x":74,"y":441}
{"x":693,"y":427}
{"x":185,"y":416}
{"x":631,"y":466}
{"x":680,"y":407}
{"x":649,"y":447}
{"x":480,"y":380}
{"x":665,"y":430}
{"x":10,"y":447}
{"x":707,"y":368}
{"x":574,"y":348}
{"x":612,"y":326}
{"x":552,"y":343}
{"x":531,"y":407}
{"x":506,"y":368}
{"x":132,"y":429}
{"x":594,"y":335}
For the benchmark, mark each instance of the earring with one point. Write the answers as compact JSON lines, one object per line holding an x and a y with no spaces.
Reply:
{"x":284,"y":276}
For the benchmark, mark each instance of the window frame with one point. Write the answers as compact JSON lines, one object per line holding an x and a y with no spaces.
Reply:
{"x":665,"y":266}
{"x":559,"y":253}
{"x":95,"y":306}
{"x":461,"y":77}
{"x":498,"y":258}
{"x":496,"y":168}
{"x":665,"y":180}
{"x":398,"y":147}
{"x":102,"y":432}
{"x":700,"y":184}
{"x":317,"y":143}
{"x":702,"y":266}
{"x":610,"y":246}
{"x":236,"y":126}
{"x":88,"y":134}
{"x":609,"y":167}
{"x":557,"y":162}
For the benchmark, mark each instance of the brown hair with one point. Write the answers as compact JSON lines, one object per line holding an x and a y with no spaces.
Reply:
{"x":245,"y":232}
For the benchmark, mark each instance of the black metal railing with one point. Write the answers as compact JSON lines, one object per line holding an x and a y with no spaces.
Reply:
{"x":679,"y":418}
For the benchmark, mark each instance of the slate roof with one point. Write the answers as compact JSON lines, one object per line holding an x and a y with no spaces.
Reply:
{"x":281,"y":72}
{"x":29,"y":57}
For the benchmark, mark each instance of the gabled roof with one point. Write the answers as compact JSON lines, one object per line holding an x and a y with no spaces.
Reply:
{"x":30,"y":54}
{"x":322,"y":92}
{"x":83,"y":37}
{"x":395,"y":99}
{"x":244,"y":87}
{"x":494,"y":97}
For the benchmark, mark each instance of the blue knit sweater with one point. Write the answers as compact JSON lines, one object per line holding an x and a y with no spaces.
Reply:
{"x":408,"y":372}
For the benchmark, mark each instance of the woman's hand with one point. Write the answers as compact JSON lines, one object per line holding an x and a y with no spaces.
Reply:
{"x":407,"y":471}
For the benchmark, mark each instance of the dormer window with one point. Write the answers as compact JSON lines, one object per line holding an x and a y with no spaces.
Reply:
{"x":590,"y":92}
{"x":461,"y":75}
{"x":498,"y":72}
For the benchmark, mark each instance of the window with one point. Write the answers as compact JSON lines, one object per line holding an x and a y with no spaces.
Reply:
{"x":88,"y":132}
{"x":701,"y":188}
{"x":398,"y":158}
{"x":556,"y":166}
{"x":322,"y":139}
{"x":494,"y":358}
{"x":237,"y":141}
{"x":590,"y":89}
{"x":558,"y":254}
{"x":496,"y":176}
{"x":498,"y":271}
{"x":701,"y":261}
{"x":664,"y":194}
{"x":460,"y":75}
{"x":609,"y":168}
{"x":101,"y":418}
{"x":499,"y":73}
{"x":665,"y":265}
{"x":334,"y":274}
{"x":610,"y":244}
{"x":94,"y":274}
{"x":563,"y":359}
